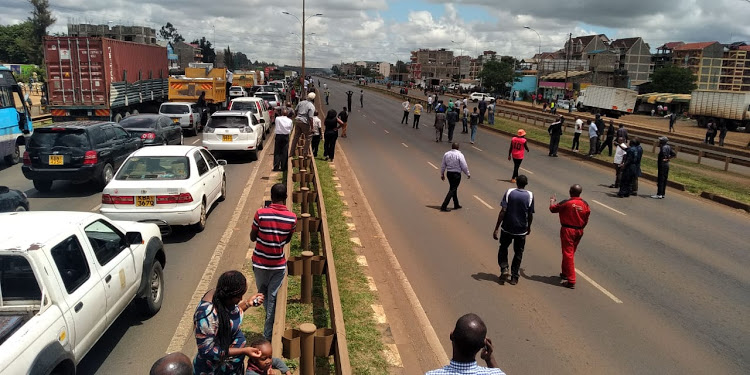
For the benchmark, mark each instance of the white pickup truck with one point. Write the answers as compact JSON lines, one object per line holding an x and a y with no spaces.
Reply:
{"x":65,"y":277}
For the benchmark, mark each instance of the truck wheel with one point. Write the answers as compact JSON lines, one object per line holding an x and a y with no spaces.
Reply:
{"x":107,"y":173}
{"x":43,"y":186}
{"x":151,"y":303}
{"x":14,"y":157}
{"x":117,"y":118}
{"x":135,"y":112}
{"x":201,"y":224}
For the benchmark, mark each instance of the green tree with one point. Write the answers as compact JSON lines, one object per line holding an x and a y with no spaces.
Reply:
{"x":207,"y":50}
{"x":496,"y":75}
{"x":41,"y":18}
{"x":16,"y":43}
{"x":673,"y":79}
{"x":169,"y":33}
{"x":229,"y":59}
{"x":336,"y":70}
{"x":241,"y":61}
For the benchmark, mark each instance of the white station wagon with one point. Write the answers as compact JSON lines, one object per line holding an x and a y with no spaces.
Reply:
{"x":234,"y":131}
{"x":166,"y":185}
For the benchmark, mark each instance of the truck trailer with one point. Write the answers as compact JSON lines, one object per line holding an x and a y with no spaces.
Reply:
{"x":92,"y":78}
{"x":188,"y":87}
{"x":608,"y":101}
{"x":730,"y":107}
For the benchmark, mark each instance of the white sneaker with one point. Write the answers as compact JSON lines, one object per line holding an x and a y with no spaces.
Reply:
{"x":656,"y":196}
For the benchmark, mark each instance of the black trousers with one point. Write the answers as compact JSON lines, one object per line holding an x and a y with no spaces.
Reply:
{"x":618,"y":175}
{"x":451,"y":127}
{"x":405,"y":119}
{"x":280,"y":151}
{"x":464,"y":123}
{"x":454,"y":179}
{"x":626,"y":181}
{"x":519,"y":242}
{"x":516,"y":166}
{"x":607,"y":144}
{"x":554,"y":143}
{"x":416,"y":121}
{"x":481,"y":116}
{"x":661,"y":179}
{"x":349,"y":105}
{"x":329,"y":145}
{"x":576,"y":141}
{"x":315,"y":144}
{"x":593,"y":141}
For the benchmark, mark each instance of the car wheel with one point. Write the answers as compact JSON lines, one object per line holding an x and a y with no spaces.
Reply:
{"x":223,"y":195}
{"x":260,"y":144}
{"x":151,"y":303}
{"x":21,"y":208}
{"x":107,"y":173}
{"x":43,"y":185}
{"x":14,"y":157}
{"x":201,"y":224}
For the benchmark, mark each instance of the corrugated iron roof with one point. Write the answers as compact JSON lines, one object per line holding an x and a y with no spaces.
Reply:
{"x":694,"y":46}
{"x":561,"y":75}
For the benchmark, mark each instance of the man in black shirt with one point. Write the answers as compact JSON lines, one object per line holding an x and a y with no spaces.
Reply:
{"x":555,"y":131}
{"x":665,"y":154}
{"x":599,"y":132}
{"x":344,"y":117}
{"x":610,"y":138}
{"x":348,"y":104}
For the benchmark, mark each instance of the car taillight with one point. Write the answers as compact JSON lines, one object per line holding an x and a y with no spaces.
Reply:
{"x":148,"y":136}
{"x":91,"y":157}
{"x":172,"y":199}
{"x":191,"y":119}
{"x":246,"y":129}
{"x":26,"y":158}
{"x":208,"y":130}
{"x":117,"y":199}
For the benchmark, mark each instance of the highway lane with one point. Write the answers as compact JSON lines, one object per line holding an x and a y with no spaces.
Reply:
{"x":678,"y":265}
{"x":131,"y":344}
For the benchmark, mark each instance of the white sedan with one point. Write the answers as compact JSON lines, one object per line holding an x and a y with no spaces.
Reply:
{"x":477,"y":96}
{"x":234,"y":131}
{"x":166,"y":185}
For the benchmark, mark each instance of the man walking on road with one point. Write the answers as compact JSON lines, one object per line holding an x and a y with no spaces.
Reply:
{"x":453,"y":163}
{"x":593,"y":138}
{"x":417,"y":114}
{"x":516,"y":151}
{"x":672,"y":119}
{"x":349,"y":100}
{"x":429,"y":103}
{"x":328,"y":94}
{"x":516,"y":215}
{"x":361,"y":98}
{"x":440,"y":120}
{"x":665,"y":155}
{"x":474,"y":121}
{"x":468,"y":338}
{"x":304,"y":121}
{"x":407,"y":108}
{"x":272,"y":228}
{"x":482,"y":109}
{"x":465,"y":120}
{"x":283,"y":126}
{"x":574,"y":215}
{"x":555,"y":131}
{"x":451,"y":118}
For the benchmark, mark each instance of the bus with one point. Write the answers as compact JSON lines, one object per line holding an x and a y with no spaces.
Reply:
{"x":15,"y":118}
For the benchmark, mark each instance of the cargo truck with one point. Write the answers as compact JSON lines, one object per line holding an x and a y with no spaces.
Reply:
{"x":188,"y":87}
{"x":15,"y":118}
{"x":103,"y":79}
{"x":731,"y":107}
{"x":246,"y":79}
{"x":608,"y":101}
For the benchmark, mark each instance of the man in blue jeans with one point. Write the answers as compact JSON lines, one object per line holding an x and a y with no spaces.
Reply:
{"x":515,"y":216}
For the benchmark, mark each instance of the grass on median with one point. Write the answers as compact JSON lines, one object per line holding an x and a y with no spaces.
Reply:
{"x":680,"y":171}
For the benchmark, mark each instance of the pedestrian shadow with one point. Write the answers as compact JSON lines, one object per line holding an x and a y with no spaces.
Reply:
{"x":508,"y":181}
{"x":551,"y":280}
{"x":433,"y":207}
{"x":484,"y":276}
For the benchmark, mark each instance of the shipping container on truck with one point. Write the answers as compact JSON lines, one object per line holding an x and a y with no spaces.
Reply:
{"x":608,"y":101}
{"x":730,"y":107}
{"x":103,"y":79}
{"x":188,"y":87}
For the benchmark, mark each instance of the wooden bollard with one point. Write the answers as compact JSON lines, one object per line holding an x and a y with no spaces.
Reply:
{"x":306,"y":296}
{"x":307,"y":346}
{"x":305,"y":231}
{"x":303,"y":178}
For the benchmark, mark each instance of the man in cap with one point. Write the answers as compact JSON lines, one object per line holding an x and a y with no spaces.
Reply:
{"x":665,"y":155}
{"x":304,"y":121}
{"x":518,"y":145}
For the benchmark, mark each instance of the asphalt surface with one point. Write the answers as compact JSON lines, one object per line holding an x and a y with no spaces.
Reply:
{"x":671,"y":294}
{"x":131,"y":344}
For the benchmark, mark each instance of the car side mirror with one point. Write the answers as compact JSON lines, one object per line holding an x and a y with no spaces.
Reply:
{"x":262,"y":121}
{"x":222,"y":162}
{"x":134,"y":238}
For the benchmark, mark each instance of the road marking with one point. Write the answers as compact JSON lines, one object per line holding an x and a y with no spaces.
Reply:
{"x":96,"y":208}
{"x":373,"y":122}
{"x":484,"y":203}
{"x":476,"y":148}
{"x":526,"y":170}
{"x":195,"y":141}
{"x":386,"y":131}
{"x":597,"y":286}
{"x":432,"y":165}
{"x":185,"y":328}
{"x":602,"y":204}
{"x":404,"y":144}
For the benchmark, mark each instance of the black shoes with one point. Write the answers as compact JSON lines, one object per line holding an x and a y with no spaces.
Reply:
{"x":568,"y":284}
{"x":457,"y":207}
{"x":504,"y":274}
{"x":514,"y":280}
{"x":444,"y":209}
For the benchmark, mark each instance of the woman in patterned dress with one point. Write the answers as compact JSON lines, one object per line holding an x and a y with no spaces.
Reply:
{"x":217,"y":319}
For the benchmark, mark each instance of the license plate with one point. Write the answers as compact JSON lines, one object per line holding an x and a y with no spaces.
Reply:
{"x":145,"y":201}
{"x":175,"y":120}
{"x":226,"y":138}
{"x":55,"y":160}
{"x":81,"y":118}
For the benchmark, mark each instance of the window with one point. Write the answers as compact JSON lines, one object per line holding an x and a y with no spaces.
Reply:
{"x":17,"y":281}
{"x":71,"y":263}
{"x":58,"y":137}
{"x":174,"y":109}
{"x":120,"y":133}
{"x":6,"y":97}
{"x":210,"y":159}
{"x":109,"y":132}
{"x":99,"y":138}
{"x":105,"y":240}
{"x":154,"y":168}
{"x":201,"y":163}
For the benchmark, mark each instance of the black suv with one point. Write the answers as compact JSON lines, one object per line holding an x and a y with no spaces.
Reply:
{"x":77,"y":151}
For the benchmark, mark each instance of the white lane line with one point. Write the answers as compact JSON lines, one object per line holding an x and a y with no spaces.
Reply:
{"x":195,"y":141}
{"x":432,"y":165}
{"x":476,"y":148}
{"x":484,"y":203}
{"x":386,"y":131}
{"x":604,"y":205}
{"x":373,"y":122}
{"x":185,"y":327}
{"x":96,"y":208}
{"x":404,"y":144}
{"x":597,"y":286}
{"x":526,"y":170}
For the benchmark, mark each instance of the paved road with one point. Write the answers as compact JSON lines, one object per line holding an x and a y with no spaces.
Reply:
{"x":131,"y":345}
{"x":671,"y":275}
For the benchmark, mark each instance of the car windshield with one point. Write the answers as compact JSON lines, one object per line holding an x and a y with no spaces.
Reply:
{"x":155,"y":168}
{"x":277,"y":85}
{"x":269,"y":97}
{"x":174,"y":109}
{"x":227,"y":122}
{"x":136,"y":122}
{"x":235,"y":88}
{"x":59,"y":137}
{"x":244,"y":106}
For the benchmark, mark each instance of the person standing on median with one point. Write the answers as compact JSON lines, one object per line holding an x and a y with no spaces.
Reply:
{"x":344,"y":117}
{"x":665,"y":155}
{"x":609,"y":138}
{"x":303,"y":123}
{"x":574,"y":215}
{"x":514,"y":224}
{"x":332,"y":124}
{"x":468,"y":338}
{"x":593,"y":138}
{"x":272,"y":229}
{"x":577,"y":134}
{"x":517,"y":146}
{"x":453,"y":163}
{"x":555,"y":131}
{"x":482,"y":109}
{"x":491,"y":113}
{"x":406,"y":105}
{"x":620,"y":149}
{"x":316,"y":134}
{"x":283,"y":126}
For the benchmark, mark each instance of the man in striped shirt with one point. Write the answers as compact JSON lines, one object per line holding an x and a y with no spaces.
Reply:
{"x":454,"y":163}
{"x":273,"y":227}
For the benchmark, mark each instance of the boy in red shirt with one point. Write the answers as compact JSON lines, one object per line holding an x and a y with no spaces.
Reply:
{"x":574,"y":215}
{"x":516,"y":150}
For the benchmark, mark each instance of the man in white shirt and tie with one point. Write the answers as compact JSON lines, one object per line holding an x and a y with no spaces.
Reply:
{"x":453,"y":163}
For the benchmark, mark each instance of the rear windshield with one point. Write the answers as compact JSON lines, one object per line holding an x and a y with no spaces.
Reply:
{"x":244,"y":106}
{"x":139,"y":122}
{"x":174,"y":109}
{"x":269,"y":97}
{"x":17,"y":281}
{"x":277,"y":84}
{"x":227,"y":122}
{"x":235,"y":88}
{"x":58,"y":137}
{"x":155,"y":168}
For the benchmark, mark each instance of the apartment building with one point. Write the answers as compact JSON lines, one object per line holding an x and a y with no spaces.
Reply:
{"x":427,"y":63}
{"x":703,"y":59}
{"x":735,"y":69}
{"x":634,"y":57}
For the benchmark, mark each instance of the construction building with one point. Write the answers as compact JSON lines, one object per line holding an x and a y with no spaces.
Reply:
{"x":735,"y":68}
{"x":137,"y":34}
{"x":634,"y":56}
{"x":427,"y":63}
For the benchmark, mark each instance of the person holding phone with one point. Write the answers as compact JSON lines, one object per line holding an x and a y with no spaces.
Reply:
{"x":468,"y":338}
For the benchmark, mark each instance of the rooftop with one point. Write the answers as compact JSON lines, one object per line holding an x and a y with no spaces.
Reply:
{"x":694,"y":46}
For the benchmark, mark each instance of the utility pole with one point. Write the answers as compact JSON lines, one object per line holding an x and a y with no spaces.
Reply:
{"x":567,"y":62}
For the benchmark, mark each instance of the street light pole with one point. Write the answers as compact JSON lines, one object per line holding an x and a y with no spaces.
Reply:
{"x":303,"y":21}
{"x":539,"y":63}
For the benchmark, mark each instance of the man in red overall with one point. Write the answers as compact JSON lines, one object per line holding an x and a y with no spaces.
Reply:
{"x":574,"y":215}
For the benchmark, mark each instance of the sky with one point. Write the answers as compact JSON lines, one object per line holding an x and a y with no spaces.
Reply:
{"x":387,"y":30}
